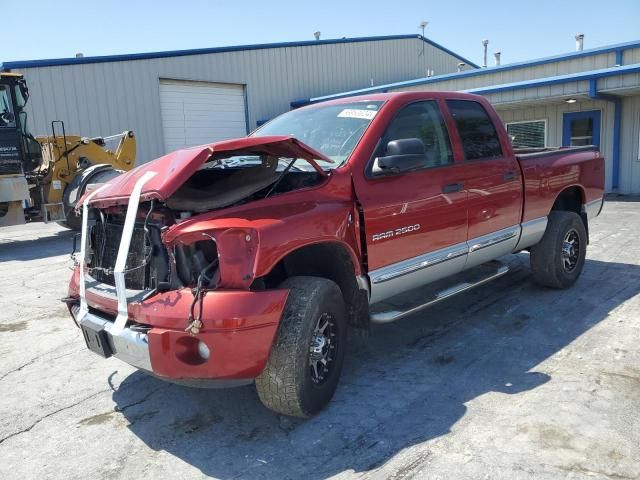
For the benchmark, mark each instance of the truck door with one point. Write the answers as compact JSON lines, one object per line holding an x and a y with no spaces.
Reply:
{"x":492,"y":180}
{"x":415,"y":222}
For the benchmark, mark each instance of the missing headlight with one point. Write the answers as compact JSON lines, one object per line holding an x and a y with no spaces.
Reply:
{"x":193,"y":259}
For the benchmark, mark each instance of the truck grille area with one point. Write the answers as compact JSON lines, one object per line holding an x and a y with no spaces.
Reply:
{"x":147,"y":265}
{"x":105,"y":250}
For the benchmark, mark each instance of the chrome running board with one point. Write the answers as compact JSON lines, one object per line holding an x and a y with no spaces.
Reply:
{"x":392,"y":314}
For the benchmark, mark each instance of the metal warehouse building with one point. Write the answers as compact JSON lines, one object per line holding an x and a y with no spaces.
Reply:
{"x":580,"y":98}
{"x":190,"y":97}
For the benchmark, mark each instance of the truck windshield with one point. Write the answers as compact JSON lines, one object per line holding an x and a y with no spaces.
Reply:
{"x":333,"y":130}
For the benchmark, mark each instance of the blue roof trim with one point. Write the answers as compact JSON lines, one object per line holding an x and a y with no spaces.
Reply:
{"x":446,"y":50}
{"x":200,"y":51}
{"x":571,"y":77}
{"x":484,"y":71}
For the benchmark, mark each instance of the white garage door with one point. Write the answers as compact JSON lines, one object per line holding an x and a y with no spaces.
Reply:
{"x":195,"y":113}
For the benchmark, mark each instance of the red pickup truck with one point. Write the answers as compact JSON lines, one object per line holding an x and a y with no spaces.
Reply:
{"x":246,"y":260}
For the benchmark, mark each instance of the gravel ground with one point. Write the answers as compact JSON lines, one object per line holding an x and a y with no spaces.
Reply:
{"x":507,"y":381}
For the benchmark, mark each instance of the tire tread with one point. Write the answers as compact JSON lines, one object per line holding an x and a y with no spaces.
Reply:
{"x":280,"y":385}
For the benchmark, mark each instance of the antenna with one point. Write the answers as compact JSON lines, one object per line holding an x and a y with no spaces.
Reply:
{"x":422,"y":26}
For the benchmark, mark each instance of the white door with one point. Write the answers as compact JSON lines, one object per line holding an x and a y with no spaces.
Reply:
{"x":196,"y":113}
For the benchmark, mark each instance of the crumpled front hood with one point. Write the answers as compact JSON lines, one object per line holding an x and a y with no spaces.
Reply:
{"x":174,"y":169}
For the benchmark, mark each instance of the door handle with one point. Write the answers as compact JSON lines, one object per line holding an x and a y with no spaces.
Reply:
{"x":452,"y":187}
{"x":508,"y":176}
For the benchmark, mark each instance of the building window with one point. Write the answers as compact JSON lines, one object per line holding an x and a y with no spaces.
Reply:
{"x":531,"y":134}
{"x":477,"y":132}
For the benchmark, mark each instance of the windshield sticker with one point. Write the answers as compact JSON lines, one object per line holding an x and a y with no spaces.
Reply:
{"x":357,"y":113}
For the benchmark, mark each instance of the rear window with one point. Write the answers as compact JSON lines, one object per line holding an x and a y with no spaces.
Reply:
{"x":477,"y":132}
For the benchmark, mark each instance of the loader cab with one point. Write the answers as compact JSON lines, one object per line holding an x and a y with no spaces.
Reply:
{"x":19,"y":152}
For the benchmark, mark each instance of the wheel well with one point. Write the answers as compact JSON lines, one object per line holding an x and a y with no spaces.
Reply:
{"x":326,"y":260}
{"x":572,"y":200}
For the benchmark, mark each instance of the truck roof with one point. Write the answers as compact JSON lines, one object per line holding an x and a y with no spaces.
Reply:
{"x":399,"y":96}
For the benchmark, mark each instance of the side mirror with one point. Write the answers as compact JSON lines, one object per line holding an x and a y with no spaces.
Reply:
{"x":403,"y":155}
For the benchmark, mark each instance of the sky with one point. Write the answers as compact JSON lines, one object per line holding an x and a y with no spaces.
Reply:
{"x":37,"y":29}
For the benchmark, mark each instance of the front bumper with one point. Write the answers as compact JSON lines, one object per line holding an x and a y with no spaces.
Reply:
{"x":127,"y":345}
{"x":238,"y":325}
{"x":238,"y":330}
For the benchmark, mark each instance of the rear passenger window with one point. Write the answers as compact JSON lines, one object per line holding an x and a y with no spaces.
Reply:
{"x":477,"y":132}
{"x":421,"y":120}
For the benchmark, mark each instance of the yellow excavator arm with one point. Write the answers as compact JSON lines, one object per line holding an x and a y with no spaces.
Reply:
{"x":65,"y":161}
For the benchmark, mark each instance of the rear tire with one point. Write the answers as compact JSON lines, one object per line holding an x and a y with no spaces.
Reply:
{"x":312,"y":330}
{"x":557,"y":261}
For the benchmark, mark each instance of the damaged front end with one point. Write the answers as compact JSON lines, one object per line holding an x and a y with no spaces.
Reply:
{"x":150,"y":276}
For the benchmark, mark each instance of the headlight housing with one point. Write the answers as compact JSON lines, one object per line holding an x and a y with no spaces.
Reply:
{"x":234,"y":249}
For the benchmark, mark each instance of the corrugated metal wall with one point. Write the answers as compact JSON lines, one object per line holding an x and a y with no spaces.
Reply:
{"x":561,"y":67}
{"x":106,"y":98}
{"x":630,"y":146}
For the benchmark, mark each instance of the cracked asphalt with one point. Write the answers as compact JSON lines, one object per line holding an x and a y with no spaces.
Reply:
{"x":507,"y":381}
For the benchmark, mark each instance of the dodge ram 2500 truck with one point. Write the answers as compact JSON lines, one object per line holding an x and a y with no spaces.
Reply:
{"x":246,"y":260}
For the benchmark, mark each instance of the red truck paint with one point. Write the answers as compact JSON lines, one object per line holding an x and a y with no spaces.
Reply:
{"x":239,"y":324}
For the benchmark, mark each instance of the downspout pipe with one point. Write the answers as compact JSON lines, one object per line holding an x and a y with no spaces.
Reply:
{"x":617,"y":123}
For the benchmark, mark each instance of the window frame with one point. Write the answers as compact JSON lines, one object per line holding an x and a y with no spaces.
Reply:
{"x":443,"y":117}
{"x":459,"y":134}
{"x":546,"y":130}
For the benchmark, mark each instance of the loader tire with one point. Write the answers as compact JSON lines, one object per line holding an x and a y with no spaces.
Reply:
{"x":73,"y":222}
{"x":312,"y":329}
{"x":557,"y":260}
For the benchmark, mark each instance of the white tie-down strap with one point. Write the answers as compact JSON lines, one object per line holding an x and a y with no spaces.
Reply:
{"x":84,"y":309}
{"x":123,"y":252}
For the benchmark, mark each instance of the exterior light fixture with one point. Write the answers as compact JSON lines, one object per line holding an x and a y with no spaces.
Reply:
{"x":571,"y":100}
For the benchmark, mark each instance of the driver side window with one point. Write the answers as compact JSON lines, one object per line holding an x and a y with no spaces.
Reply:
{"x":421,"y":120}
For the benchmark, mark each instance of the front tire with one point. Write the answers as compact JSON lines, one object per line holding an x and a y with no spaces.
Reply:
{"x":306,"y":359}
{"x":558,"y":259}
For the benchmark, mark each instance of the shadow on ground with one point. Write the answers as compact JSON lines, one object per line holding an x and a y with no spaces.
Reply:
{"x":56,"y":244}
{"x":408,"y":384}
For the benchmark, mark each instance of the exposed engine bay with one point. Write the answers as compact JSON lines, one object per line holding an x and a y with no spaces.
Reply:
{"x":223,"y":182}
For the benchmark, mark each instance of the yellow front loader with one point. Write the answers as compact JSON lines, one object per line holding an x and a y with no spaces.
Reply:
{"x":42,"y":178}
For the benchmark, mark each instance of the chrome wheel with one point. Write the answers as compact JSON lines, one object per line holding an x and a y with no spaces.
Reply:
{"x":322,"y":349}
{"x":570,"y":250}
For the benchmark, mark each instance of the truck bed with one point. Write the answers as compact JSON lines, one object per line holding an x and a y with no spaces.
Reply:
{"x":532,"y":153}
{"x":548,"y":171}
